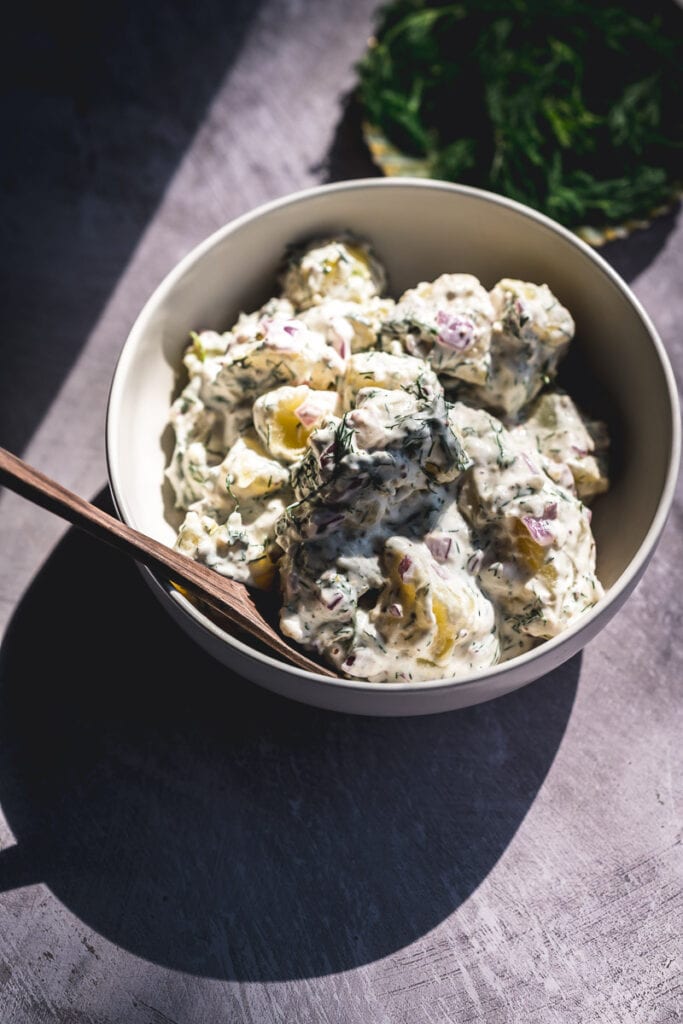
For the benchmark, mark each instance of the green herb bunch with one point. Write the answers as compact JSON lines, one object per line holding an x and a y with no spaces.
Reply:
{"x":574,"y":107}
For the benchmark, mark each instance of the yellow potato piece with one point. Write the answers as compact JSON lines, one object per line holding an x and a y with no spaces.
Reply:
{"x":288,"y":433}
{"x":379,"y":370}
{"x":278,"y":419}
{"x":357,"y":253}
{"x":249,"y":470}
{"x":445,"y":634}
{"x":533,"y":555}
{"x":434,"y":615}
{"x":262,"y":572}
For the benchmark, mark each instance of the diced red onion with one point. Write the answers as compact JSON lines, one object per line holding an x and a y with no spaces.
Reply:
{"x":342,"y":335}
{"x":336,"y":600}
{"x":362,"y":661}
{"x":439,"y":546}
{"x":326,"y":458}
{"x":279,"y":333}
{"x":581,"y":452}
{"x":309,"y":412}
{"x":550,"y":511}
{"x":538,"y":528}
{"x":404,"y":565}
{"x":357,"y":418}
{"x":474,"y":562}
{"x":562,"y":475}
{"x":324,"y":518}
{"x":454,"y":331}
{"x":533,"y":468}
{"x":396,"y":610}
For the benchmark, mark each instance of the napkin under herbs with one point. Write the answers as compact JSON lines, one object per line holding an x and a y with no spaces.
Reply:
{"x":574,"y":108}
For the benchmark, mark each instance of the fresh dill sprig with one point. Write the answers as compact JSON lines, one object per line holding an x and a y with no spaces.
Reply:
{"x":572,"y":107}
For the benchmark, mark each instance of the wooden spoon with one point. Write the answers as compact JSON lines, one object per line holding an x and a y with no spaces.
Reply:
{"x":227,"y":597}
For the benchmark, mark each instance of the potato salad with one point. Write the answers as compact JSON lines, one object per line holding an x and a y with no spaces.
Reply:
{"x":404,"y":472}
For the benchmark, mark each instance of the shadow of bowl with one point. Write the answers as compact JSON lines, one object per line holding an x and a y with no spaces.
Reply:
{"x":203,"y":823}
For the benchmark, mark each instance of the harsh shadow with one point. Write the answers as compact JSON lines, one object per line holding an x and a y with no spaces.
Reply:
{"x":97,"y":106}
{"x":348,"y":156}
{"x":632,"y":255}
{"x":208,"y":825}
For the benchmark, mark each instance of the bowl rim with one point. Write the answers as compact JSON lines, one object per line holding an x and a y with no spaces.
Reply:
{"x":622,"y":586}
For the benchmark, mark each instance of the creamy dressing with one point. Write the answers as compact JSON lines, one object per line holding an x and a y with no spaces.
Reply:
{"x":403,"y":472}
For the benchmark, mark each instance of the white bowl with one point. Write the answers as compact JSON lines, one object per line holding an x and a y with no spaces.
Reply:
{"x":420,"y":228}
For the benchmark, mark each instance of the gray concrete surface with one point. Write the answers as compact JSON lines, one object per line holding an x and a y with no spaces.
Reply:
{"x":176,"y":845}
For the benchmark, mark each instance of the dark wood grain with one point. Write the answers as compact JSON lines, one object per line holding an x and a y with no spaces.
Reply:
{"x":231,"y":600}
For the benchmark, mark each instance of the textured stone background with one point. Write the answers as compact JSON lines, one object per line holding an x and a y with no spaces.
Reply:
{"x":176,"y":845}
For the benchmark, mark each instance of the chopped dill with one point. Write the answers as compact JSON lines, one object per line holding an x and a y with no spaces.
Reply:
{"x":572,"y":107}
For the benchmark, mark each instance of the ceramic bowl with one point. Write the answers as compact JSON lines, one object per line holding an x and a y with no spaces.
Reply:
{"x":618,"y":369}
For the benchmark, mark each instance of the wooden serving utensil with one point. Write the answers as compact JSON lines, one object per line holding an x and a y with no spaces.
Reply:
{"x":230,"y":599}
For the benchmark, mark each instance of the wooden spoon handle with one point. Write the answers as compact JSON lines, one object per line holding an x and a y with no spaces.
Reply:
{"x":231,"y":599}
